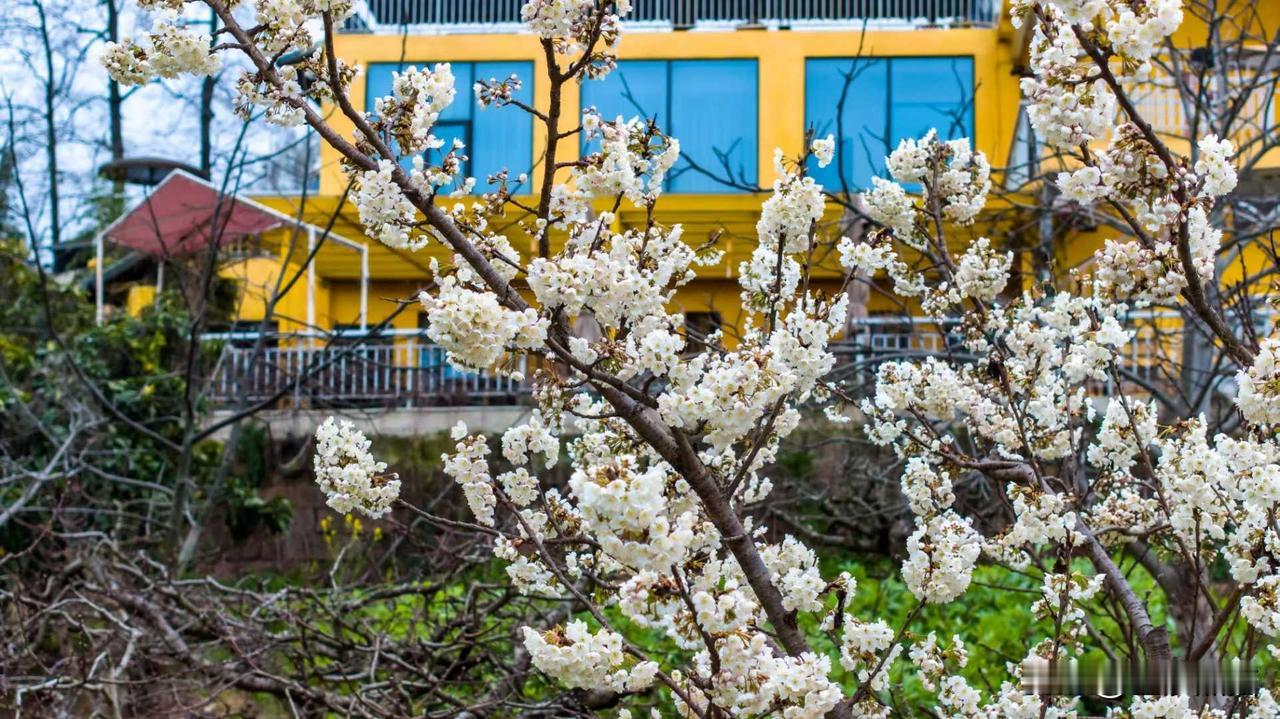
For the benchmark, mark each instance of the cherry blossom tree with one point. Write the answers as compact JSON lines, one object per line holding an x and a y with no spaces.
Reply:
{"x":665,"y":449}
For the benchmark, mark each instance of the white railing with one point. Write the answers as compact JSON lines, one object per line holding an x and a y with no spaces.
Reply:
{"x":505,"y":14}
{"x":1163,"y":104}
{"x":403,"y":368}
{"x":392,"y":368}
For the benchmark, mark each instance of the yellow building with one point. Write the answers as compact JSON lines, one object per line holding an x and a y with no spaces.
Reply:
{"x":731,"y":87}
{"x":733,"y":80}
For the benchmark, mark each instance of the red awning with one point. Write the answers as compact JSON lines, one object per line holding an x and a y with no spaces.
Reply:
{"x":183,"y":213}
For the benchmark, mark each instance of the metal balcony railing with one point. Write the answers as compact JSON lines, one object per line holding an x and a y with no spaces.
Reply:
{"x":1150,"y":362}
{"x":689,"y":13}
{"x":398,"y":368}
{"x":392,"y":368}
{"x":1170,"y":105}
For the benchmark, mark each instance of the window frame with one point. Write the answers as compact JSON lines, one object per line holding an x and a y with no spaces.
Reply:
{"x":465,"y":126}
{"x":668,"y":123}
{"x":468,"y":125}
{"x":969,"y":102}
{"x":698,"y":345}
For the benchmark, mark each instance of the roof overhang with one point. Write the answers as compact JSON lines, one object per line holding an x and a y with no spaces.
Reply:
{"x":185,"y":214}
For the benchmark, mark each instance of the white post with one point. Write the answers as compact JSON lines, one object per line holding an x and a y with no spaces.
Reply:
{"x":311,"y":279}
{"x":97,"y":271}
{"x":159,"y":282}
{"x":364,"y":287}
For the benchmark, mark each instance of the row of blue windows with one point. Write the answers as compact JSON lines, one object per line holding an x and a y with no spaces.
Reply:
{"x":872,"y":104}
{"x":712,"y":106}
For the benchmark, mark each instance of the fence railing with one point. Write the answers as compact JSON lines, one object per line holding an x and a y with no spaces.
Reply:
{"x":1165,"y":105}
{"x":390,"y":369}
{"x":1150,"y":362}
{"x":689,"y":13}
{"x":403,"y":368}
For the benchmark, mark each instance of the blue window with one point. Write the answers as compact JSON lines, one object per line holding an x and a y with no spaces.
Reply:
{"x":709,"y":105}
{"x":496,"y":137}
{"x":871,"y":104}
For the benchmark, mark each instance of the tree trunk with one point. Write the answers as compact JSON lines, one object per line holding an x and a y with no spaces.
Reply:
{"x":51,"y":131}
{"x":206,"y":111}
{"x":115,"y":104}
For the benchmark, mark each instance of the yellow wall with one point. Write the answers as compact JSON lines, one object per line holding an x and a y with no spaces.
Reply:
{"x":344,"y":302}
{"x":1248,"y":18}
{"x":780,"y":55}
{"x":998,"y":54}
{"x":139,"y":298}
{"x":258,"y":279}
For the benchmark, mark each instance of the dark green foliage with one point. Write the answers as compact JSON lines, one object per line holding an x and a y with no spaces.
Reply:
{"x":246,"y":510}
{"x":797,"y":464}
{"x":117,"y":395}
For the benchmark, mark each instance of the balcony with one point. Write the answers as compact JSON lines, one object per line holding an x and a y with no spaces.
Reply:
{"x":1166,"y":106}
{"x":1150,"y":363}
{"x":404,"y":369}
{"x":349,"y":370}
{"x":504,"y":15}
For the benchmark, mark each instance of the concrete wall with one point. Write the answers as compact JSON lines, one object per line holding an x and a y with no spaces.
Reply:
{"x":396,"y":422}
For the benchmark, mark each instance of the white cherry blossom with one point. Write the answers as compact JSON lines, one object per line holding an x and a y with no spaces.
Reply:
{"x":348,"y":474}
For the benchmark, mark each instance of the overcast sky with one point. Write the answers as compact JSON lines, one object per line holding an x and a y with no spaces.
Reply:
{"x":160,"y":120}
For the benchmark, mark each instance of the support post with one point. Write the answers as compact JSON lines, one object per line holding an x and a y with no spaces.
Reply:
{"x":311,"y":279}
{"x":98,"y":273}
{"x":364,"y":287}
{"x":159,"y":282}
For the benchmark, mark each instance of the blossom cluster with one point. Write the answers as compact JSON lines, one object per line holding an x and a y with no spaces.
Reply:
{"x":348,"y":474}
{"x":170,"y":49}
{"x":418,"y":97}
{"x":633,"y":160}
{"x":956,"y":181}
{"x":1259,"y":385}
{"x":1073,"y":105}
{"x":385,"y":212}
{"x":473,"y":326}
{"x":577,"y":658}
{"x":571,"y":25}
{"x":1131,"y":32}
{"x":753,"y":680}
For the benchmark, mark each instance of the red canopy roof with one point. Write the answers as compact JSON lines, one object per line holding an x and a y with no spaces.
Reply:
{"x":183,"y":213}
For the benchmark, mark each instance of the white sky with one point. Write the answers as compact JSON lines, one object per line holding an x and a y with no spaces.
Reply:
{"x":160,"y":120}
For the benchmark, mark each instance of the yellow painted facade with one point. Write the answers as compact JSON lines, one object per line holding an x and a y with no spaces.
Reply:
{"x":999,"y":59}
{"x":261,"y":278}
{"x":1161,"y":103}
{"x":139,"y":298}
{"x":780,"y":57}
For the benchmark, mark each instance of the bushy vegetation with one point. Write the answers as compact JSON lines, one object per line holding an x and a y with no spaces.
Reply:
{"x":114,"y":398}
